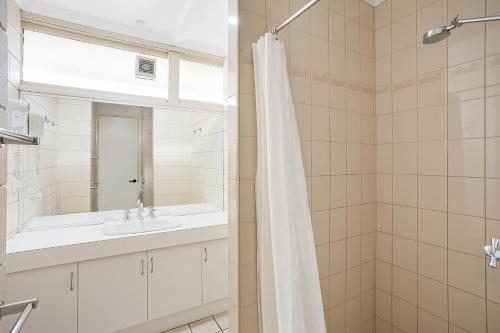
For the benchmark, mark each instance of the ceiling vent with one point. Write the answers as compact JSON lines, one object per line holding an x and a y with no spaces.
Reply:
{"x":145,"y":68}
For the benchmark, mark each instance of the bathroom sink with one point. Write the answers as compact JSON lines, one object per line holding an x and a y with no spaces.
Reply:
{"x":115,"y":228}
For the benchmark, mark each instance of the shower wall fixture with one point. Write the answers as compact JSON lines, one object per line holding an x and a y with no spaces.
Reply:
{"x":437,"y":34}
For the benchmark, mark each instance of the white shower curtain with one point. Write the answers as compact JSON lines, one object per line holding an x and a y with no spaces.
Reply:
{"x":289,"y":291}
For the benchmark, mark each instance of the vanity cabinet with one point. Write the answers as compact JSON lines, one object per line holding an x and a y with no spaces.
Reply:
{"x":174,"y":280}
{"x":56,"y":290}
{"x":214,"y":270}
{"x":112,"y":293}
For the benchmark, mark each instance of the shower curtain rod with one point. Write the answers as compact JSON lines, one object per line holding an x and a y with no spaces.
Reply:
{"x":289,"y":20}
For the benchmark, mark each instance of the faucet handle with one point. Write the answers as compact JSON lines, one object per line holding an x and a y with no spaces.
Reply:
{"x":494,"y":243}
{"x":126,"y":217}
{"x":491,"y":251}
{"x":152,"y":212}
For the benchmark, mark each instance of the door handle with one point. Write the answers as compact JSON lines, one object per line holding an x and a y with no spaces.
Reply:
{"x":133,"y":181}
{"x":71,"y":275}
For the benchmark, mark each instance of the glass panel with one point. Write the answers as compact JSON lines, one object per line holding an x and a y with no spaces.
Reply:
{"x":201,"y":82}
{"x":66,"y":62}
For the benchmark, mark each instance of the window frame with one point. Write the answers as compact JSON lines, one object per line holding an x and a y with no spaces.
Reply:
{"x":58,"y":28}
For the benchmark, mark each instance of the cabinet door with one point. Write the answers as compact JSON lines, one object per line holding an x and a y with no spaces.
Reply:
{"x":214,"y":270}
{"x":112,"y":293}
{"x":174,"y":280}
{"x":56,"y":290}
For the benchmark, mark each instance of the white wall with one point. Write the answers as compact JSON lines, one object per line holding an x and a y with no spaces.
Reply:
{"x":188,"y":157}
{"x":54,"y":177}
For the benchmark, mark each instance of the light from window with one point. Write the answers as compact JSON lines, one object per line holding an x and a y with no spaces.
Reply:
{"x":200,"y":82}
{"x":67,"y":62}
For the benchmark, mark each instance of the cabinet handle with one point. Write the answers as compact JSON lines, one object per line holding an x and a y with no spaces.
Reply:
{"x":206,"y":254}
{"x":142,"y":266}
{"x":152,"y":265}
{"x":71,"y":275}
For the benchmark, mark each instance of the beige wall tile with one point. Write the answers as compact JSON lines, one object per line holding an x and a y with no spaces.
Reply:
{"x":383,"y":276}
{"x":321,"y":226}
{"x":404,"y":32}
{"x":338,"y":256}
{"x":384,"y":247}
{"x":433,"y":297}
{"x":428,"y":323}
{"x":432,"y":123}
{"x":432,"y":158}
{"x":493,"y":157}
{"x":353,"y":248}
{"x":466,"y":157}
{"x":466,"y":272}
{"x":320,"y":158}
{"x":353,"y":282}
{"x":405,"y":190}
{"x":338,"y":227}
{"x":492,"y":198}
{"x":402,"y":8}
{"x":383,"y":307}
{"x":405,"y":158}
{"x":320,"y":193}
{"x":405,"y":253}
{"x":405,"y":222}
{"x":492,"y":291}
{"x":404,"y":64}
{"x":337,"y":289}
{"x":405,"y":126}
{"x":323,"y":259}
{"x":405,"y":285}
{"x":383,"y":14}
{"x":467,"y":311}
{"x":338,"y":191}
{"x":466,"y":234}
{"x":432,"y":227}
{"x":404,"y":315}
{"x":466,"y":196}
{"x":432,"y":192}
{"x":432,"y":262}
{"x":493,"y":313}
{"x":383,"y":45}
{"x":466,"y":119}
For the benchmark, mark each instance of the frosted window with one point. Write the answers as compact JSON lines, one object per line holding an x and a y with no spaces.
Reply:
{"x":66,"y":62}
{"x":200,"y":82}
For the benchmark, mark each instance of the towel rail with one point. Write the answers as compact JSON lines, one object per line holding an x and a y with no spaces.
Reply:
{"x":24,"y":307}
{"x":9,"y":137}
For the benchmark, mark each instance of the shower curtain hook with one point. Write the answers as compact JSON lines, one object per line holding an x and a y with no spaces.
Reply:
{"x":275,"y":33}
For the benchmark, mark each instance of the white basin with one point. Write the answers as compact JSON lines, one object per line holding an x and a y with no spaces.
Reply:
{"x":115,"y":228}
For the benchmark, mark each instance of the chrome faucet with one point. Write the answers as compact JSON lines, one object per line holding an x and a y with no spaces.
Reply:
{"x":140,"y":201}
{"x":491,"y":251}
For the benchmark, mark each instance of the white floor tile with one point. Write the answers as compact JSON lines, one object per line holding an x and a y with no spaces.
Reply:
{"x":222,"y":319}
{"x":207,"y":325}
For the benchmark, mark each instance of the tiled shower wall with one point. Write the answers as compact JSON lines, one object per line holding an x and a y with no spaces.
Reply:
{"x":331,"y":59}
{"x":438,"y":165}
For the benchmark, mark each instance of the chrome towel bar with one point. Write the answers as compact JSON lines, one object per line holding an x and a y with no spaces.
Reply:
{"x":24,"y":307}
{"x":9,"y":137}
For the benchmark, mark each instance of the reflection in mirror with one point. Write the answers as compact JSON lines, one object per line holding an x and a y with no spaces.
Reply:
{"x":83,"y":162}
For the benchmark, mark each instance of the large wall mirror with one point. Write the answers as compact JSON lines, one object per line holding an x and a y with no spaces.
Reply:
{"x":83,"y":163}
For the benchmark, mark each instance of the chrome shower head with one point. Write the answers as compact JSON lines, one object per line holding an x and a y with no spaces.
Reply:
{"x":435,"y":35}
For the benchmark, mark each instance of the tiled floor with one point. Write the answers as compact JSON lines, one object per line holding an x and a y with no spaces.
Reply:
{"x":215,"y":324}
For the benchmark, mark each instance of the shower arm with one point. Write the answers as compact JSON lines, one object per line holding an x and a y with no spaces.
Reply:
{"x":458,"y":22}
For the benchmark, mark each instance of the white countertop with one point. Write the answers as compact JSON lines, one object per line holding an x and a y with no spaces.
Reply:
{"x":43,"y":248}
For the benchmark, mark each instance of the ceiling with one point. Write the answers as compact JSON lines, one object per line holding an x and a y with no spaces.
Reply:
{"x":199,"y":25}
